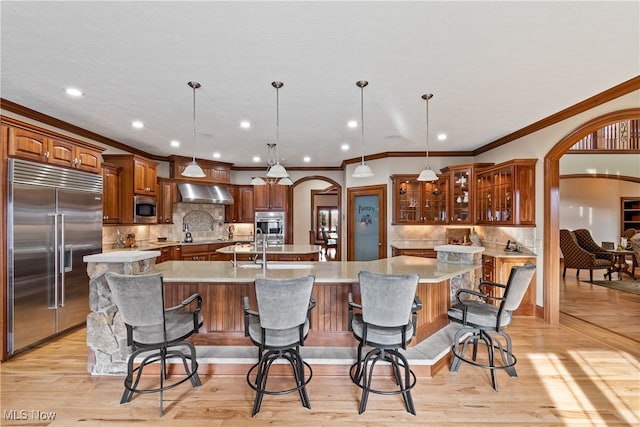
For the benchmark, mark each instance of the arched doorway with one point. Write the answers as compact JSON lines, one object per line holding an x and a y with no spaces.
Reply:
{"x":551,"y":246}
{"x":300,"y":218}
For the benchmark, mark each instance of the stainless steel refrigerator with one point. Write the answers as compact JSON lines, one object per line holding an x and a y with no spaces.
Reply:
{"x":54,"y":220}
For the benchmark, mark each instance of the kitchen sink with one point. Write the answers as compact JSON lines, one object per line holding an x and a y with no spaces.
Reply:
{"x":279,"y":266}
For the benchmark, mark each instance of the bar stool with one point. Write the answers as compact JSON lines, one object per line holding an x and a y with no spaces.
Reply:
{"x":279,"y":328}
{"x":484,"y":322}
{"x":385,"y":321}
{"x":153,"y":332}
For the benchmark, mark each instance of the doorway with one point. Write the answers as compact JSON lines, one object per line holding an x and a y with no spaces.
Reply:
{"x":325,"y":222}
{"x":551,"y":262}
{"x":367,"y":223}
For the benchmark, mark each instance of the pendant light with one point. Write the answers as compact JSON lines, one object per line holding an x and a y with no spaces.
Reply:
{"x":362,"y":170}
{"x":427,"y":174}
{"x":193,"y":170}
{"x":277,"y":170}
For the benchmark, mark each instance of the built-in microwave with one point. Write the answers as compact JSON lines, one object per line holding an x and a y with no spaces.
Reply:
{"x":145,"y":210}
{"x":271,"y":226}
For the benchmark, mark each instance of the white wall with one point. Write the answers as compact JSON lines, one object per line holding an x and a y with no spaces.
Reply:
{"x":594,"y":204}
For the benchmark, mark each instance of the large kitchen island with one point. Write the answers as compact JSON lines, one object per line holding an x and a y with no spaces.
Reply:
{"x":223,"y":286}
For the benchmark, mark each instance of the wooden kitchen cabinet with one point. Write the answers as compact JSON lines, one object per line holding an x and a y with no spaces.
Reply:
{"x":167,"y":196}
{"x":241,"y":211}
{"x":215,"y":172}
{"x":204,"y":252}
{"x":270,"y":197}
{"x":505,"y":193}
{"x":137,"y":177}
{"x":166,"y":254}
{"x":498,"y":269}
{"x":461,"y":192}
{"x":110,"y":194}
{"x":418,"y":202}
{"x":144,"y":176}
{"x":35,"y":144}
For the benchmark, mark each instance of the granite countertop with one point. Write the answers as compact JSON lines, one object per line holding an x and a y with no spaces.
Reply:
{"x":430,"y":270}
{"x":251,"y":248}
{"x":154,"y":244}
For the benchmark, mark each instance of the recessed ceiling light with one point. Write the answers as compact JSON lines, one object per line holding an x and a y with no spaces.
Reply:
{"x":256,"y":159}
{"x":442,"y":137}
{"x":344,"y":147}
{"x":216,"y":155}
{"x":72,"y":91}
{"x":137,"y":124}
{"x":245,"y":124}
{"x":175,"y":143}
{"x":307,"y":159}
{"x":352,"y":124}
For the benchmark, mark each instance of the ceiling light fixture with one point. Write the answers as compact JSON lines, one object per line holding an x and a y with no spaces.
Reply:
{"x":193,"y":170}
{"x":277,"y":170}
{"x":272,"y":149}
{"x":427,"y":174}
{"x":137,"y":124}
{"x":72,"y":91}
{"x":362,"y":171}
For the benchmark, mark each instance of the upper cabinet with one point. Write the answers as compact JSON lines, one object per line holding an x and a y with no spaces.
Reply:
{"x":110,"y":193}
{"x":417,"y":202}
{"x":242,"y":209}
{"x":35,"y":144}
{"x":270,"y":197}
{"x":137,"y":177}
{"x":144,"y":176}
{"x":461,"y":191}
{"x":215,"y":172}
{"x":167,"y":196}
{"x":505,"y":193}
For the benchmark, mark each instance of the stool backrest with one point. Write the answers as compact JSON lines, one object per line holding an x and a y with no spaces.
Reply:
{"x":387,"y":299}
{"x":519,"y":281}
{"x":283,"y":303}
{"x":139,"y":297}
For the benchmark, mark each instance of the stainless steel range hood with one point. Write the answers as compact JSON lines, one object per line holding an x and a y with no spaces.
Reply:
{"x":198,"y":193}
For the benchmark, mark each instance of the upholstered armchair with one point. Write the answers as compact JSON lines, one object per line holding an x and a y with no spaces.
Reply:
{"x":629,"y":234}
{"x":583,"y":236}
{"x":575,"y":256}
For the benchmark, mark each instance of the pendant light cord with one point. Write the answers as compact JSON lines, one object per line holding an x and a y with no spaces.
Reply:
{"x":427,"y":97}
{"x":194,"y":122}
{"x":362,"y":120}
{"x":277,"y":125}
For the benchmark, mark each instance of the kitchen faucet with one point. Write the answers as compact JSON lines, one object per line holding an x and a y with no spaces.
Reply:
{"x":234,"y":262}
{"x":264,"y":250}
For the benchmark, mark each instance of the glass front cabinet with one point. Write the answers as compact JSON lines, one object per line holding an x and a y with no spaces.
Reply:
{"x":418,"y":202}
{"x":461,"y":190}
{"x":505,"y":193}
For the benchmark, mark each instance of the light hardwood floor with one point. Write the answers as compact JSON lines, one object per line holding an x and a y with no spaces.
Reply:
{"x":575,"y":373}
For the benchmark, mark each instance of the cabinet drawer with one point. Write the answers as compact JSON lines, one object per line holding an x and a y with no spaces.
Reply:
{"x":194,"y":249}
{"x":488,"y":261}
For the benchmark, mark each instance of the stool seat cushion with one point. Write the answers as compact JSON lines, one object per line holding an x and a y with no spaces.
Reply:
{"x":379,"y":334}
{"x":276,"y":337}
{"x":179,"y":324}
{"x":480,"y":314}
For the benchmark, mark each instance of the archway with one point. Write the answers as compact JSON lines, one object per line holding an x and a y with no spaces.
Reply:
{"x":551,"y":261}
{"x":306,"y":215}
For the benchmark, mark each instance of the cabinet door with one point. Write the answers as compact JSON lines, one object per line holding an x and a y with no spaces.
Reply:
{"x":261,"y":197}
{"x":88,"y":160}
{"x":62,"y":153}
{"x":231,"y":211}
{"x":246,"y":212}
{"x":460,"y":199}
{"x":110,"y":195}
{"x":525,"y":195}
{"x":28,"y":145}
{"x":278,"y":196}
{"x":528,"y":304}
{"x":407,"y":196}
{"x":144,"y":177}
{"x":435,"y":209}
{"x":166,"y":198}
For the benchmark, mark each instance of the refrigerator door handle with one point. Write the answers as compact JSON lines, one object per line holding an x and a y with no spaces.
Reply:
{"x":54,"y":304}
{"x":63,"y":266}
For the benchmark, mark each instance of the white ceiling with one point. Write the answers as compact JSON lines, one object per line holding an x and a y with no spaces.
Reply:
{"x":494,"y":67}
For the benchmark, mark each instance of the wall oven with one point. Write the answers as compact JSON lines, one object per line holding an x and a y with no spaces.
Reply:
{"x":145,"y":210}
{"x":271,"y":225}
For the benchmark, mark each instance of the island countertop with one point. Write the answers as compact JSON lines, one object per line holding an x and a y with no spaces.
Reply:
{"x":429,"y":270}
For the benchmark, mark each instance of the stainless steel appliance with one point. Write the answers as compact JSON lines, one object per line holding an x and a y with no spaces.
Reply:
{"x":54,"y":220}
{"x":271,"y":225}
{"x":145,"y":210}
